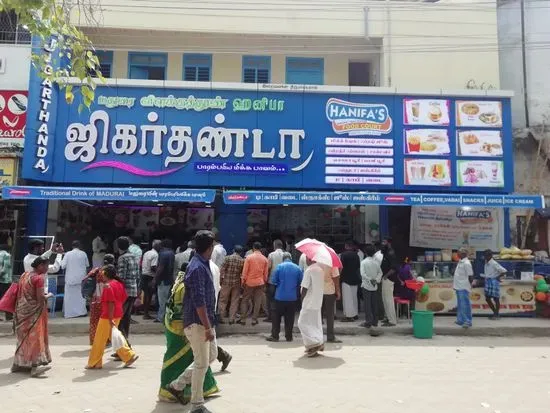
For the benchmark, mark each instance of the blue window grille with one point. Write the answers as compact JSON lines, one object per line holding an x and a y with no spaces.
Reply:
{"x":197,"y":67}
{"x":305,"y":70}
{"x":150,"y":66}
{"x":105,"y":62}
{"x":256,"y":69}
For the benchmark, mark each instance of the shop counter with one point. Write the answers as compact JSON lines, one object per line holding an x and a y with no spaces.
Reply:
{"x":517,"y":298}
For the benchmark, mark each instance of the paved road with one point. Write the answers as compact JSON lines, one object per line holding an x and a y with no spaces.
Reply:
{"x":364,"y":374}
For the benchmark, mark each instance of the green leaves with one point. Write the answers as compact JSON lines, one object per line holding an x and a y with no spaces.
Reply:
{"x":47,"y":18}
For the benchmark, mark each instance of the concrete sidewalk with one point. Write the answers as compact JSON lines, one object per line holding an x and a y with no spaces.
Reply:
{"x":443,"y":325}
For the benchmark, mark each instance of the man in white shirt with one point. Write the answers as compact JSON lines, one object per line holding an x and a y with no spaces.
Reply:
{"x":371,"y":276}
{"x":36,"y":249}
{"x":462,"y":285}
{"x":309,"y":321}
{"x":183,"y":257}
{"x":148,"y":270}
{"x":493,"y":273}
{"x":76,"y":264}
{"x":99,"y":248}
{"x":218,"y":255}
{"x":274,"y":259}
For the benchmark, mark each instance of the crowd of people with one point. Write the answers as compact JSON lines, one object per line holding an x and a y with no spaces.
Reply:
{"x":199,"y":286}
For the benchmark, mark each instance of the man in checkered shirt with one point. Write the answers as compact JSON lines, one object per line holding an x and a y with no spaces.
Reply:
{"x":128,"y":270}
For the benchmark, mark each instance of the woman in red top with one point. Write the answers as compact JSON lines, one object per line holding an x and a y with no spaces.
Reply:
{"x":112,"y":299}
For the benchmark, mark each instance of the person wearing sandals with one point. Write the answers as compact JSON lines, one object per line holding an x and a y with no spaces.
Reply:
{"x":309,"y":321}
{"x":199,"y":307}
{"x":31,"y":321}
{"x":178,"y":355}
{"x":112,"y":300}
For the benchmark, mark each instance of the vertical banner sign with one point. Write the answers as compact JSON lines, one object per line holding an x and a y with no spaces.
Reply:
{"x":441,"y":227}
{"x":42,"y":113}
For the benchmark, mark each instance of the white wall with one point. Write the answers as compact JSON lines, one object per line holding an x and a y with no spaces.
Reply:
{"x":17,"y":60}
{"x":537,"y":37}
{"x":425,"y":45}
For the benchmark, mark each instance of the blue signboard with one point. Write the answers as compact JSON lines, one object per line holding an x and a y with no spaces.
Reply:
{"x":390,"y":199}
{"x":267,"y":138}
{"x":109,"y":194}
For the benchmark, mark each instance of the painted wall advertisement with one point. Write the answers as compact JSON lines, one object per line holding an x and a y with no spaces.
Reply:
{"x":267,"y":138}
{"x":441,"y":227}
{"x":13,"y":117}
{"x":8,"y":171}
{"x":516,"y":298}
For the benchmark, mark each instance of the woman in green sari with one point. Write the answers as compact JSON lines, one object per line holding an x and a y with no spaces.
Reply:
{"x":178,"y":354}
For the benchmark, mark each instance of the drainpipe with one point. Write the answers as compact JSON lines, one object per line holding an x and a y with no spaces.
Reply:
{"x":524,"y":64}
{"x":388,"y":37}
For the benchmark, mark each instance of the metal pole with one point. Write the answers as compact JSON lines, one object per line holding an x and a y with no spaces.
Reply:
{"x":524,"y":64}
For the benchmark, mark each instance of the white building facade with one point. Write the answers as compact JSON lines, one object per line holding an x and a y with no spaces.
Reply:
{"x":413,"y":44}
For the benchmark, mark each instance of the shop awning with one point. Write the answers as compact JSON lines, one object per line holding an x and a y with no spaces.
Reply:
{"x":109,"y":194}
{"x":381,"y":198}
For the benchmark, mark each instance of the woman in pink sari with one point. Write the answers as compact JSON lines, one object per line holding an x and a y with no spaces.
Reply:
{"x":31,"y":322}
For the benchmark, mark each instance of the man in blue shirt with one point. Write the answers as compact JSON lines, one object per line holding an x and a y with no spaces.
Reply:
{"x":287,"y":279}
{"x":198,"y":320}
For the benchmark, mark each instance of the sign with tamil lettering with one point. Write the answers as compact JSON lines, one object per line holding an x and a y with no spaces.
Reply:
{"x":235,"y":136}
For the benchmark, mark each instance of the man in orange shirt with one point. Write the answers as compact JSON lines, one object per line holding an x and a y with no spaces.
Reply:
{"x":253,"y":279}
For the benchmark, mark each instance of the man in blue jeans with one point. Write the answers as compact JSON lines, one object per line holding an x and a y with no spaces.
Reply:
{"x":462,"y":284}
{"x":164,"y":277}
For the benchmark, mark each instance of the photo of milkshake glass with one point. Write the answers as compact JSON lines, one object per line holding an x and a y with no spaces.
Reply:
{"x":494,"y":170}
{"x":415,"y":109}
{"x":466,"y":238}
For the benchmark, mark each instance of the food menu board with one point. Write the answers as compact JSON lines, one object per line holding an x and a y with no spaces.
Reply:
{"x":480,"y":173}
{"x":481,"y":143}
{"x":428,"y":172}
{"x":426,"y":112}
{"x":427,"y":142}
{"x":481,"y":114}
{"x":359,"y":161}
{"x":474,"y":126}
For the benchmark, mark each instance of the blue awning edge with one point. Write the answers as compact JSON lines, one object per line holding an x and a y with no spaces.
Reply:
{"x":109,"y":194}
{"x":382,"y":198}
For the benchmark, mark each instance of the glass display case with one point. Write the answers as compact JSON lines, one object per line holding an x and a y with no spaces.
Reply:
{"x":437,"y":270}
{"x":518,"y":269}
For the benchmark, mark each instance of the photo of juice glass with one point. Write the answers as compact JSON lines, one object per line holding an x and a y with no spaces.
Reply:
{"x":494,"y":169}
{"x":415,"y":108}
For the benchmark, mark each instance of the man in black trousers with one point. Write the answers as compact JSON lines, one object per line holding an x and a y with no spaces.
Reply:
{"x":286,"y":279}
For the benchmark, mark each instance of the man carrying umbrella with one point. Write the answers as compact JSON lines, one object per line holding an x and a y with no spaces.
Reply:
{"x":321,"y":260}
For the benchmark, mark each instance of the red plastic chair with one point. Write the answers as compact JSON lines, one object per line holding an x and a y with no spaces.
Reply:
{"x":398,"y":303}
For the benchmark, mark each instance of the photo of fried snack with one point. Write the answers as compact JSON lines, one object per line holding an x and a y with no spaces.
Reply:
{"x":435,"y":307}
{"x":526,"y":296}
{"x":470,"y":109}
{"x":475,"y":296}
{"x":511,"y":291}
{"x":446,"y":295}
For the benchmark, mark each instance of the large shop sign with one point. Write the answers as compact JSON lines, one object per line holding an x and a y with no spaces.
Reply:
{"x":269,"y":139}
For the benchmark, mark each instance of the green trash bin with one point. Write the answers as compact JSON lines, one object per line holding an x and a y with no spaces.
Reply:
{"x":423,"y":324}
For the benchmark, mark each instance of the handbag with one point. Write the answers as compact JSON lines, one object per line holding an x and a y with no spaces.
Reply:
{"x":9,"y":300}
{"x":117,"y":339}
{"x":88,"y":287}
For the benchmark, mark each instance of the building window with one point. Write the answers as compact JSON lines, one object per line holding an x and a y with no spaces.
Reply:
{"x":305,"y":70}
{"x":151,"y":66}
{"x":10,"y":31}
{"x":197,"y":67}
{"x":105,"y":63}
{"x":359,"y":74}
{"x":256,"y":69}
